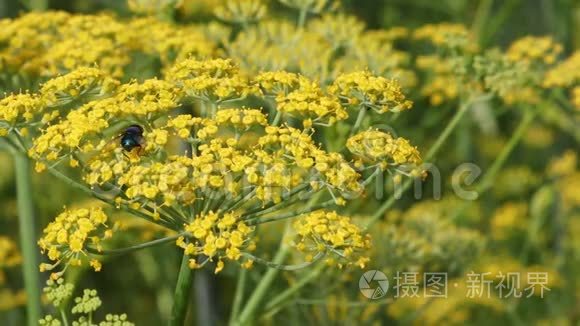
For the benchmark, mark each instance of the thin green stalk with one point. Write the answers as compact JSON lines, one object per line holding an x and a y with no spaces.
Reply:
{"x":38,"y":5}
{"x":27,"y":236}
{"x":359,"y":119}
{"x":252,"y":305}
{"x":140,"y":246}
{"x":256,"y":221}
{"x":63,"y":317}
{"x":499,"y":18}
{"x":302,"y":17}
{"x":280,"y":298}
{"x":481,"y":17}
{"x":277,"y":118}
{"x":500,"y":160}
{"x":182,"y":293}
{"x":240,"y":288}
{"x":283,"y":267}
{"x":463,"y":108}
{"x":111,"y":202}
{"x":491,"y":173}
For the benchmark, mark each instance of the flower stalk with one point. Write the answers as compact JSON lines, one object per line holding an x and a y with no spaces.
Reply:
{"x":182,"y":293}
{"x":27,"y":236}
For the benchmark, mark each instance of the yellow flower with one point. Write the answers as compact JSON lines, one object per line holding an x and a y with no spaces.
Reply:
{"x":67,"y":236}
{"x":241,"y":11}
{"x":9,"y":255}
{"x":211,"y":80}
{"x":278,"y":82}
{"x":508,"y":219}
{"x":377,"y":147}
{"x":534,"y":49}
{"x":20,"y":109}
{"x":375,"y":92}
{"x":96,"y":265}
{"x":330,"y":233}
{"x":447,"y":34}
{"x":220,"y":236}
{"x":90,"y":83}
{"x":309,"y":102}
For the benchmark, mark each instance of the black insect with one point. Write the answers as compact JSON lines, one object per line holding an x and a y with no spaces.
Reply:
{"x":132,"y":138}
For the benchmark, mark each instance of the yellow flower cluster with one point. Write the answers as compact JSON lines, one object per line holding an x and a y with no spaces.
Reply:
{"x":89,"y":83}
{"x":289,"y":157}
{"x":281,"y":82}
{"x":56,"y":42}
{"x":9,"y":256}
{"x":534,"y":49}
{"x":24,"y":39}
{"x":183,"y":125}
{"x":310,"y":103}
{"x":339,"y":30}
{"x":375,"y":92}
{"x":280,"y":45}
{"x":391,"y":63}
{"x":568,"y":188}
{"x":240,"y":119}
{"x":10,"y":299}
{"x":167,"y":180}
{"x":329,"y":233}
{"x":171,"y":43}
{"x":148,"y":99}
{"x":51,"y":43}
{"x":67,"y":237}
{"x":211,"y":80}
{"x":564,"y":74}
{"x":20,"y":109}
{"x":509,"y":218}
{"x":278,"y":161}
{"x":340,"y":43}
{"x":66,"y":137}
{"x":443,"y":85}
{"x":446,"y":34}
{"x":82,"y":128}
{"x":241,"y":11}
{"x":576,"y":97}
{"x":382,"y":149}
{"x":217,"y":236}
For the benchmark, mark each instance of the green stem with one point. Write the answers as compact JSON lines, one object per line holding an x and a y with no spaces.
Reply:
{"x":302,"y":17}
{"x":280,"y":298}
{"x":182,"y":292}
{"x":499,"y":18}
{"x":463,"y":108}
{"x":491,"y":173}
{"x":252,"y":305}
{"x":38,"y":5}
{"x":481,"y":17}
{"x":277,"y":118}
{"x":111,"y":202}
{"x":140,"y":246}
{"x":27,"y":236}
{"x":240,"y":288}
{"x":279,"y":217}
{"x":283,"y":267}
{"x":63,"y":317}
{"x":359,"y":119}
{"x":493,"y":170}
